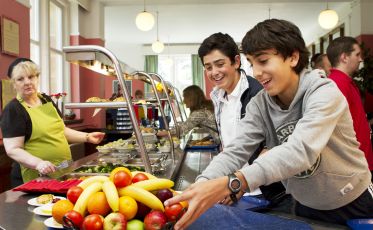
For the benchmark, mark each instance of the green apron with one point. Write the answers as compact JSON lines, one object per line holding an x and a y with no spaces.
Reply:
{"x":47,"y":140}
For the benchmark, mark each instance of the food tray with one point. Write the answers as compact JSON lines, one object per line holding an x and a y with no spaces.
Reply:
{"x":104,"y":168}
{"x":202,"y":147}
{"x":105,"y":149}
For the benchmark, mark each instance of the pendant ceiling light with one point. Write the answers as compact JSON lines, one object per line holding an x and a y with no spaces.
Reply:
{"x":328,"y":18}
{"x":157,"y":46}
{"x":144,"y":20}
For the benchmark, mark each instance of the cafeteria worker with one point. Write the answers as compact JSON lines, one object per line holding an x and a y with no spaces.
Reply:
{"x":34,"y":133}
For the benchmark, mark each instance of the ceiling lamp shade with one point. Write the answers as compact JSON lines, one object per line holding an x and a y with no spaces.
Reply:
{"x":145,"y":21}
{"x":157,"y":47}
{"x":328,"y":19}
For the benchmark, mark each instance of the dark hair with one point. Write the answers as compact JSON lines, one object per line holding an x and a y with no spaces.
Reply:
{"x":16,"y":62}
{"x":197,"y":98}
{"x":139,"y":93}
{"x":281,"y":35}
{"x":219,"y":41}
{"x":339,"y":46}
{"x":316,"y":60}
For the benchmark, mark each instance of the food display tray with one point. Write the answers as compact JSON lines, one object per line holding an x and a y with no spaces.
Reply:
{"x":202,"y":147}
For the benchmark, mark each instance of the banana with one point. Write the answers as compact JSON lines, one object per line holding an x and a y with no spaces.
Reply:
{"x":154,"y":184}
{"x":150,"y":176}
{"x":143,"y":196}
{"x":111,"y":194}
{"x":81,"y":203}
{"x":85,"y":183}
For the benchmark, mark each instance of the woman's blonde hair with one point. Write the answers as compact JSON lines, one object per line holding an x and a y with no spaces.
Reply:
{"x":25,"y":67}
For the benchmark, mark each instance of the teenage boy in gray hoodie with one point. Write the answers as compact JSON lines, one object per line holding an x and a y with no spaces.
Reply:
{"x":306,"y":124}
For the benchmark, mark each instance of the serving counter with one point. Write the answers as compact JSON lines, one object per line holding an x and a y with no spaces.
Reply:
{"x":16,"y":214}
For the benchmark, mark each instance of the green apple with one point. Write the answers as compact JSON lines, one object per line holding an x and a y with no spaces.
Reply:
{"x":135,"y":225}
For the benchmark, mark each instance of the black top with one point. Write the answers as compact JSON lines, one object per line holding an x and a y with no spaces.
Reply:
{"x":15,"y":120}
{"x":254,"y":88}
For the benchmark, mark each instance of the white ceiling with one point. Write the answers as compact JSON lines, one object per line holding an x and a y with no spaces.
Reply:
{"x":190,"y":21}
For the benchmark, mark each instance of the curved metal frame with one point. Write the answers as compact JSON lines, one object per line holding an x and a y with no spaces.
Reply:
{"x":149,"y":76}
{"x":165,"y":86}
{"x":118,"y":70}
{"x":180,"y":101}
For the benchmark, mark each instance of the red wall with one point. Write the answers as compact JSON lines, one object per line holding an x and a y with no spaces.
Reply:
{"x":208,"y":86}
{"x":20,"y":14}
{"x":85,"y":84}
{"x":137,"y":85}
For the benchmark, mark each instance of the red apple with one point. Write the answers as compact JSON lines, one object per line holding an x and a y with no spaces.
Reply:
{"x":142,"y":210}
{"x":72,"y":219}
{"x":155,"y":220}
{"x":73,"y":193}
{"x":93,"y":222}
{"x":164,"y":194}
{"x":115,"y":221}
{"x":139,"y":177}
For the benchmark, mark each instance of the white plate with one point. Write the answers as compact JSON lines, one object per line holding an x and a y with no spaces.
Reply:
{"x":50,"y":222}
{"x":33,"y":201}
{"x":45,"y":210}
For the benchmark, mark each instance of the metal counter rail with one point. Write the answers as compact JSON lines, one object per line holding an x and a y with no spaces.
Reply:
{"x":119,"y":73}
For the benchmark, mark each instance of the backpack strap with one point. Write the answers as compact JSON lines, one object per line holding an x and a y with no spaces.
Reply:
{"x":254,"y":88}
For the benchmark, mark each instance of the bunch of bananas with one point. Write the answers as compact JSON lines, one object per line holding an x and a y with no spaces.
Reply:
{"x":140,"y":191}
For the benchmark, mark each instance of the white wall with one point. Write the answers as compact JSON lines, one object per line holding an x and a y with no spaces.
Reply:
{"x":92,"y":21}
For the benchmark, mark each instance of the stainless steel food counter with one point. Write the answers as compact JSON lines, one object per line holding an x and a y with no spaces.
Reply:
{"x":16,"y":214}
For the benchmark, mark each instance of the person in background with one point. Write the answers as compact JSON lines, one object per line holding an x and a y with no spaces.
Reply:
{"x":233,"y":90}
{"x":139,"y":94}
{"x":344,"y":54}
{"x":321,"y":62}
{"x":201,"y":113}
{"x":34,"y":134}
{"x":312,"y":148}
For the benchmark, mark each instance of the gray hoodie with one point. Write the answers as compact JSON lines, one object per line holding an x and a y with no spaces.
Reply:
{"x":313,"y":148}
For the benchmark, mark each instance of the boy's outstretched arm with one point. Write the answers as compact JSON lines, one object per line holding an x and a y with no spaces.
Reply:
{"x":202,"y":196}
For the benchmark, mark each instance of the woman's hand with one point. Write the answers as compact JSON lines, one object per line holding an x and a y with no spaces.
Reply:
{"x":45,"y":167}
{"x":200,"y":196}
{"x":95,"y":137}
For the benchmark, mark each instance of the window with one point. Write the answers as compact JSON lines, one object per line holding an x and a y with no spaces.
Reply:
{"x":176,"y":69}
{"x":47,"y":37}
{"x":35,"y":31}
{"x":55,"y":46}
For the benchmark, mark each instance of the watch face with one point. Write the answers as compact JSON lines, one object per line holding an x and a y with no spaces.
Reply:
{"x":235,"y":184}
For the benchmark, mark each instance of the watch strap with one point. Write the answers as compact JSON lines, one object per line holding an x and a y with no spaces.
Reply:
{"x":233,"y":197}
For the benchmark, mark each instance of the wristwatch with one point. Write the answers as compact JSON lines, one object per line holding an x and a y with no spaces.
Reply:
{"x":234,"y":184}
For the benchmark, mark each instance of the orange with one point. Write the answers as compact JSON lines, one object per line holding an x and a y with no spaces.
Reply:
{"x":119,"y":169}
{"x":60,"y":208}
{"x":97,"y":204}
{"x":127,"y":206}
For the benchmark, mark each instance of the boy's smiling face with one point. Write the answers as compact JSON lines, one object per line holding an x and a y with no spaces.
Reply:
{"x":276,"y":74}
{"x":221,"y":71}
